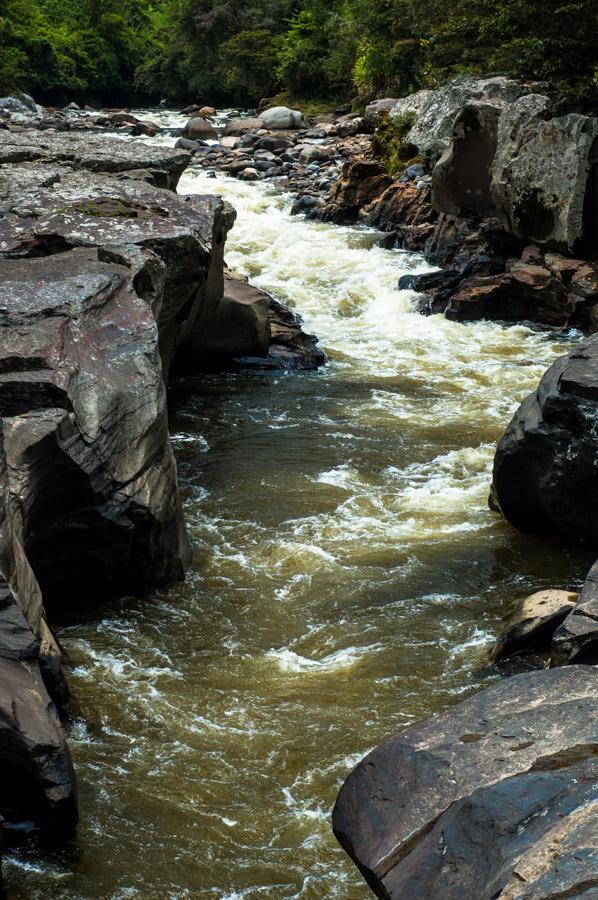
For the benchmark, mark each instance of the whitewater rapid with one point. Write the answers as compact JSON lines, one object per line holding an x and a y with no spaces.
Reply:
{"x":348,"y":580}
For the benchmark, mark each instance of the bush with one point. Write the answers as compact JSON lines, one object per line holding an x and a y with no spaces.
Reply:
{"x":390,"y":144}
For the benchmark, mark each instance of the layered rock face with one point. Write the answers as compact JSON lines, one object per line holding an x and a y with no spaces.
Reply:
{"x":576,"y":640}
{"x":545,"y":466}
{"x":37,"y":783}
{"x":90,"y":472}
{"x":496,"y":799}
{"x":95,"y":153}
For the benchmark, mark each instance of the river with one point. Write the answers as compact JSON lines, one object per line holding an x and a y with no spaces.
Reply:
{"x":348,"y":581}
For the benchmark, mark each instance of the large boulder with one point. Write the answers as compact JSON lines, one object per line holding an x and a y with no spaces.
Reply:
{"x":281,"y":118}
{"x":19,"y":103}
{"x":363,"y":182}
{"x":576,"y":641}
{"x":174,"y":245}
{"x":199,"y":129}
{"x":526,"y":292}
{"x":434,"y":112}
{"x":546,"y":465}
{"x":90,"y":475}
{"x":545,"y":175}
{"x":462,"y":178}
{"x":500,"y":148}
{"x":495,"y":799}
{"x":238,"y":326}
{"x":96,"y":153}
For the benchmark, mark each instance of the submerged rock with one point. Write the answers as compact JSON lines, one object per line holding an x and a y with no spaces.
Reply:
{"x":546,"y":466}
{"x":496,"y":798}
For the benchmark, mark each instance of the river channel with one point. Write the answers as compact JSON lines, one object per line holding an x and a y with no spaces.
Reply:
{"x":348,"y":581}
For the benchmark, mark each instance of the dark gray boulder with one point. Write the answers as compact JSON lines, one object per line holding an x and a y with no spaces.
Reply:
{"x":495,"y":799}
{"x":576,"y":641}
{"x":38,"y":783}
{"x":532,"y":837}
{"x":174,"y":246}
{"x":546,"y":466}
{"x":545,"y":175}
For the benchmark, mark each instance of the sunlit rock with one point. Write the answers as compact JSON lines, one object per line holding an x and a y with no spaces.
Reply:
{"x":281,"y":118}
{"x":496,"y":798}
{"x":533,"y":622}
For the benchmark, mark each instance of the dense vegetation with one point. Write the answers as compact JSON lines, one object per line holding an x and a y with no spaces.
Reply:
{"x":230,"y":51}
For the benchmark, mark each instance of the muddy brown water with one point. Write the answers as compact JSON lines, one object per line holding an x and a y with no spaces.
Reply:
{"x":348,"y":581}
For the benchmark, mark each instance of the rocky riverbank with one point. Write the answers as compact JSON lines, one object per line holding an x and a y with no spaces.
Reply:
{"x":500,"y":192}
{"x":110,"y":282}
{"x":498,"y":798}
{"x":114,"y":282}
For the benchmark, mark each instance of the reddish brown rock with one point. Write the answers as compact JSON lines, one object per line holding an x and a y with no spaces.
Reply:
{"x":525,"y":293}
{"x":362,"y":183}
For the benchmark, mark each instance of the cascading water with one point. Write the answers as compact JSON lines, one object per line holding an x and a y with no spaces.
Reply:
{"x":348,"y":580}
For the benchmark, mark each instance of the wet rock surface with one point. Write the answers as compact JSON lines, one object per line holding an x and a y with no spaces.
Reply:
{"x":546,"y":463}
{"x":576,"y":641}
{"x":38,"y":783}
{"x":497,"y":798}
{"x":82,"y":399}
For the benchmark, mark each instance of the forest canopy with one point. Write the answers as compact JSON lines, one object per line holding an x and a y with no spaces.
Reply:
{"x":231,"y":51}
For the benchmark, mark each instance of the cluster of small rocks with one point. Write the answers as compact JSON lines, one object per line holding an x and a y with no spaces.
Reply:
{"x":280,"y":146}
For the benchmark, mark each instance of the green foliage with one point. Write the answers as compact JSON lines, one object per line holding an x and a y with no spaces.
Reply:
{"x":232,"y":52}
{"x":251,"y":58}
{"x":390,"y":142}
{"x":75,"y":48}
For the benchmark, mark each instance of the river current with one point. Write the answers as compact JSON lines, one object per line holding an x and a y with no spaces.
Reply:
{"x":348,"y":581}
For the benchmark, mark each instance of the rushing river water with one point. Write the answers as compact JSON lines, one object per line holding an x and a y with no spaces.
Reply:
{"x":348,"y":581}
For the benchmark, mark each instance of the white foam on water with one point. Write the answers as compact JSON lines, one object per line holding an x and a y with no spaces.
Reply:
{"x":292,"y":663}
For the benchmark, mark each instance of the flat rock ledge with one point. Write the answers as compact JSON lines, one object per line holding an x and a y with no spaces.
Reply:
{"x":109,"y":282}
{"x":497,"y":799}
